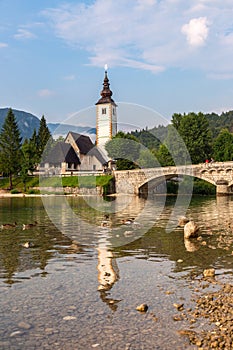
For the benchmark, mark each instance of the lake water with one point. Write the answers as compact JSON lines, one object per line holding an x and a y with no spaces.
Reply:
{"x":80,"y":280}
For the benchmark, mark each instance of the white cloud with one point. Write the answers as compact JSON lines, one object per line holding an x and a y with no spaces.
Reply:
{"x":149,"y":34}
{"x":2,"y":45}
{"x":24,"y":34}
{"x":196,"y":31}
{"x":45,"y":93}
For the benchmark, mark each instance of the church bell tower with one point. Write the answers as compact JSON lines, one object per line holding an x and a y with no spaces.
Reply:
{"x":106,"y":115}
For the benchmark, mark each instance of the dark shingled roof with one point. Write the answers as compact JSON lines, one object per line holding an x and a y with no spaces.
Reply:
{"x":62,"y":152}
{"x":95,"y":152}
{"x":83,"y":142}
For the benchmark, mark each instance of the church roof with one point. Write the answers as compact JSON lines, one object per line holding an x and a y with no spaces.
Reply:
{"x":87,"y":147}
{"x":62,"y":152}
{"x":96,"y":153}
{"x":106,"y":93}
{"x":83,"y":142}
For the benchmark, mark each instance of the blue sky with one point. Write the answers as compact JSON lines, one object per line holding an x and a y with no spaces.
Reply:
{"x":168,"y":55}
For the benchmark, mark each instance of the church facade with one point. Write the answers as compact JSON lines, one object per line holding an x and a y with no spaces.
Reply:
{"x":77,"y":153}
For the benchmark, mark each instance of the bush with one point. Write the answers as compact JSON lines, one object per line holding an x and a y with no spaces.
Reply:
{"x":15,"y":191}
{"x":32,"y":191}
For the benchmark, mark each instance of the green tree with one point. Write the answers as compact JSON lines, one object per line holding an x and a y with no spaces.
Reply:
{"x":44,"y":138}
{"x":10,"y":147}
{"x":125,"y":149}
{"x":176,"y":147}
{"x":194,"y":130}
{"x":29,"y":158}
{"x":223,"y":146}
{"x":33,"y":143}
{"x":147,"y":159}
{"x":164,"y":156}
{"x":176,"y":120}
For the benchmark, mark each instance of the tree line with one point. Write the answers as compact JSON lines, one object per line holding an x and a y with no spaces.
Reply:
{"x":17,"y":157}
{"x":189,"y":138}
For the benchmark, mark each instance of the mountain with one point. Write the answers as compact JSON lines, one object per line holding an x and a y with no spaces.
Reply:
{"x":62,"y":129}
{"x":27,"y":122}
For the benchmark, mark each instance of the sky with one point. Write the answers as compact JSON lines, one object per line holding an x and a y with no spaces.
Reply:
{"x":170,"y":56}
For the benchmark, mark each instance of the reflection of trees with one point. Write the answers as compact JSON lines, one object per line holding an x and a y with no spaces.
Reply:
{"x":45,"y":242}
{"x":9,"y":253}
{"x":213,"y":216}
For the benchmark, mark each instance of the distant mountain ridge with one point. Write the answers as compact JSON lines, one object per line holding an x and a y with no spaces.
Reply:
{"x":28,"y":122}
{"x":63,"y":129}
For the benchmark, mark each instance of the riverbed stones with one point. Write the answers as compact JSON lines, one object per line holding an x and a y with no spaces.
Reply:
{"x":216,"y":307}
{"x":190,"y":230}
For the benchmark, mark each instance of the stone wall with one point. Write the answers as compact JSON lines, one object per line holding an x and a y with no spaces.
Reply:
{"x":83,"y":191}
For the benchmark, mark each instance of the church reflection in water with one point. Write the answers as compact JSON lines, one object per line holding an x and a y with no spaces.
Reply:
{"x":108,"y":274}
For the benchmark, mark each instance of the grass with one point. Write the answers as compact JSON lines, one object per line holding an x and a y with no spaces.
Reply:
{"x":56,"y":181}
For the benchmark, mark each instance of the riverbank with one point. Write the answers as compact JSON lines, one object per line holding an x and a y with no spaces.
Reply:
{"x":212,"y":314}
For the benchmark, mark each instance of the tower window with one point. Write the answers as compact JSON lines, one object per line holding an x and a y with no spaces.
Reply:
{"x":113,"y":111}
{"x":104,"y":111}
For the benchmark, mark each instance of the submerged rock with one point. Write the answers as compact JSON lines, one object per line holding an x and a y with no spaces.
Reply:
{"x":190,"y":230}
{"x":142,"y":308}
{"x":182,"y":221}
{"x":209,"y":273}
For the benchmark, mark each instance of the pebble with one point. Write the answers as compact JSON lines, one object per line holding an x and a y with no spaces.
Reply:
{"x":13,"y":334}
{"x":179,"y":307}
{"x":142,"y":308}
{"x":24,"y":325}
{"x":209,"y":273}
{"x":68,"y":318}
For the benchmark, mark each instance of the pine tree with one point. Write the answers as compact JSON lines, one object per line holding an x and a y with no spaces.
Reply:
{"x":33,"y":142}
{"x":44,"y":137}
{"x":10,"y":147}
{"x":29,"y":158}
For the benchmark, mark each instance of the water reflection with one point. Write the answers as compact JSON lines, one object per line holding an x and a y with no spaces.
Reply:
{"x":108,"y":274}
{"x":214,"y":217}
{"x":82,"y":287}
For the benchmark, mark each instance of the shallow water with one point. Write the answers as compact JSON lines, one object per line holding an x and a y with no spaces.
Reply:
{"x":78,"y":284}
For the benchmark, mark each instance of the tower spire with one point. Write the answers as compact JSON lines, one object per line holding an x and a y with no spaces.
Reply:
{"x":106,"y":93}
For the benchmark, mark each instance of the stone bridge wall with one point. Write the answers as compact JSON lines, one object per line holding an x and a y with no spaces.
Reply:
{"x":219,"y":174}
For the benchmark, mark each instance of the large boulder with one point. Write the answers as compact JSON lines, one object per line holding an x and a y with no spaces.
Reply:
{"x":182,"y":221}
{"x":190,"y":230}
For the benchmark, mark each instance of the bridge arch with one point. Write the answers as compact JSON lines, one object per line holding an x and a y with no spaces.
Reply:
{"x":157,"y":181}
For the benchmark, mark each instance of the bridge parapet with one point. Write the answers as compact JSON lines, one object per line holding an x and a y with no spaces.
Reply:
{"x":219,"y":174}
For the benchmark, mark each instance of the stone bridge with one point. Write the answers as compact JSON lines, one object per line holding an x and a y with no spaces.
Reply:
{"x":142,"y":181}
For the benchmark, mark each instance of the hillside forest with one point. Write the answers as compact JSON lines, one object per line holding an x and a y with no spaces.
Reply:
{"x":189,"y":138}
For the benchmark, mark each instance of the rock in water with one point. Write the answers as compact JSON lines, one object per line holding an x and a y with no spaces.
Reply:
{"x":182,"y":221}
{"x":142,"y":308}
{"x":190,"y":229}
{"x":209,"y":273}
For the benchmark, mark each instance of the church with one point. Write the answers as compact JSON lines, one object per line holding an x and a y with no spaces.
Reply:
{"x":77,"y":152}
